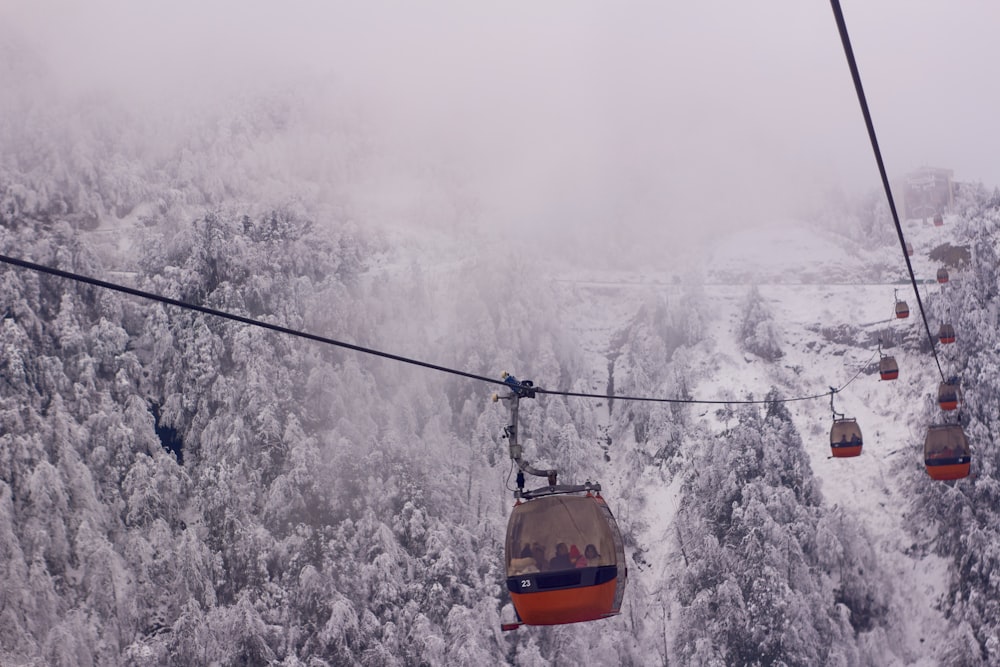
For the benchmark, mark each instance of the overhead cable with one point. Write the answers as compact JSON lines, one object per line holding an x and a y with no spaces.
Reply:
{"x":237,"y":318}
{"x":852,"y":63}
{"x":702,"y":402}
{"x":68,"y":275}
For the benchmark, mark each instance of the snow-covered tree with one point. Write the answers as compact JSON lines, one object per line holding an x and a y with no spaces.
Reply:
{"x":758,"y":331}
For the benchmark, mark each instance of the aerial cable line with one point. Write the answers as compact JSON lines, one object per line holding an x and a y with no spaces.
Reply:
{"x":653,"y":399}
{"x":852,"y":63}
{"x":237,"y":318}
{"x":832,"y":391}
{"x":868,"y":363}
{"x":68,"y":275}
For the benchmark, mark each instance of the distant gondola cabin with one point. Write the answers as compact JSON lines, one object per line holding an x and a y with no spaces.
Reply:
{"x":845,"y":438}
{"x":946,"y":334}
{"x":565,"y":560}
{"x":942,"y":275}
{"x":888,"y":369}
{"x":948,"y":395}
{"x":909,"y":250}
{"x":938,"y":220}
{"x":946,"y":452}
{"x":902,"y":310}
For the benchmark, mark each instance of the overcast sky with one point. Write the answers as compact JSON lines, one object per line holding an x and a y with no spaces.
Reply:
{"x":605,"y":113}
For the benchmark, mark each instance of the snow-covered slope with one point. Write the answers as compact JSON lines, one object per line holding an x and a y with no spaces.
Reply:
{"x":831,"y":309}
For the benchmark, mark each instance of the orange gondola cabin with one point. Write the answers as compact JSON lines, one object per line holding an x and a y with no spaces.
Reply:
{"x":565,"y":560}
{"x":948,"y":395}
{"x":564,"y":556}
{"x":946,"y":452}
{"x":888,"y":369}
{"x":946,"y":334}
{"x":942,"y":275}
{"x":845,"y":438}
{"x":902,"y":310}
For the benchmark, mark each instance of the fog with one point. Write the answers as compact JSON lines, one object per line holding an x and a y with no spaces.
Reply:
{"x":662,"y":122}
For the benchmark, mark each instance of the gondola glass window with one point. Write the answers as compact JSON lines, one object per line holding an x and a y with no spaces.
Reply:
{"x":948,"y":395}
{"x":565,"y":560}
{"x":845,"y":438}
{"x":888,"y":368}
{"x":946,"y":452}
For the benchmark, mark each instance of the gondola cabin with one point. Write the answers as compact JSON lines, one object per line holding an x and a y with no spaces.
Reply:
{"x":942,"y":275}
{"x":565,"y":560}
{"x":845,"y":438}
{"x":888,"y":369}
{"x":948,"y":395}
{"x":938,"y":220}
{"x":946,"y":334}
{"x":946,"y":452}
{"x":902,"y":310}
{"x":909,"y":249}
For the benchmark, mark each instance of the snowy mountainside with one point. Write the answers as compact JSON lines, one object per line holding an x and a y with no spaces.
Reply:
{"x":341,"y":508}
{"x":331,"y":508}
{"x":790,"y":251}
{"x":832,"y":303}
{"x":334,"y":508}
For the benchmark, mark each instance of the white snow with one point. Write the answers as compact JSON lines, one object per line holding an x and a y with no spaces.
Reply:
{"x":814,"y":281}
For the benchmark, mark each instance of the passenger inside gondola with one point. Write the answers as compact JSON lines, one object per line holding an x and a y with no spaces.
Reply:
{"x":944,"y":444}
{"x":538,"y":552}
{"x":562,"y":520}
{"x":570,"y":587}
{"x":525,"y":564}
{"x":561,"y":560}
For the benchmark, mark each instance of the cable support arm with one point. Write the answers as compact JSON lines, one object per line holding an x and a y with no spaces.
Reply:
{"x":836,"y":415}
{"x":519,"y":390}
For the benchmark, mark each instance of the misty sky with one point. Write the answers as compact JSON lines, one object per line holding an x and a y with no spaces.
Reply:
{"x":599,"y":114}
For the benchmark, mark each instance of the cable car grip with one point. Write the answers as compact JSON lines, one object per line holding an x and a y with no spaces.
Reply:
{"x":526,"y":389}
{"x":836,"y":415}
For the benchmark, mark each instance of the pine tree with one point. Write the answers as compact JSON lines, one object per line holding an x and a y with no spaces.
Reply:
{"x":759,"y":333}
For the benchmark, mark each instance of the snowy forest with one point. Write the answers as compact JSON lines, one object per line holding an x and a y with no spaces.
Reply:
{"x":180,"y":489}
